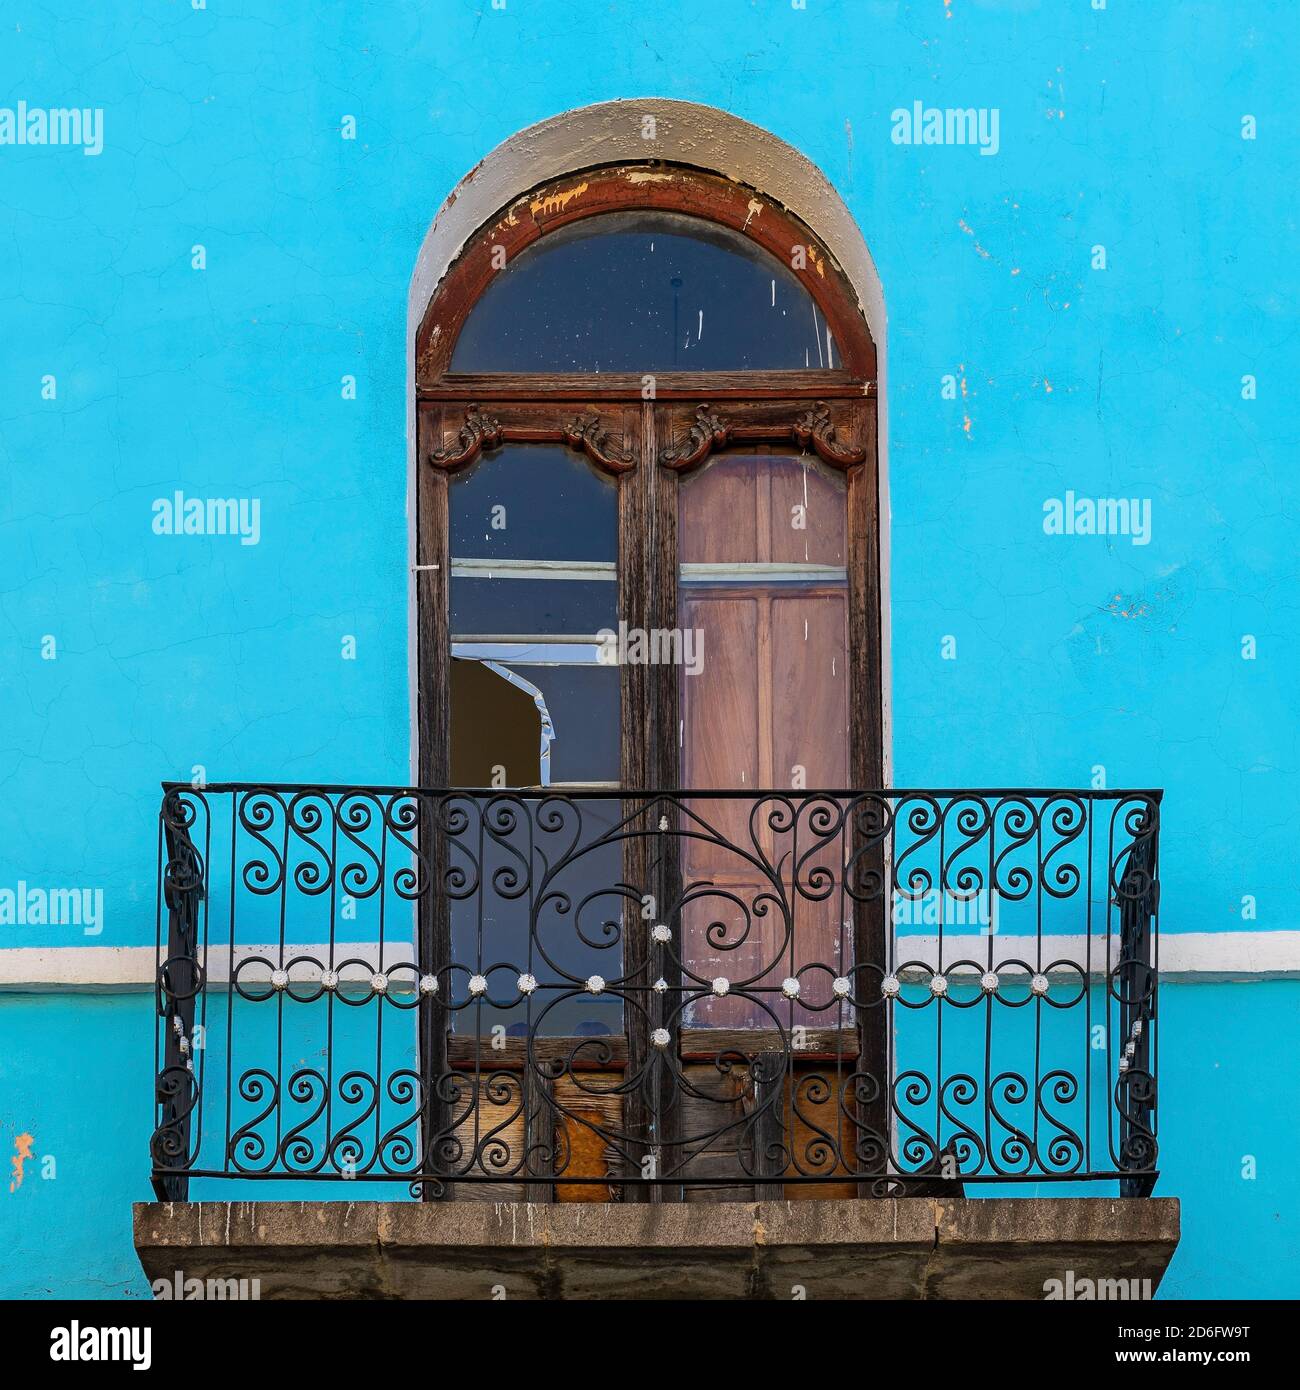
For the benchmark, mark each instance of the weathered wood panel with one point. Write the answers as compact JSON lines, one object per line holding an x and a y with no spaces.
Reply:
{"x":588,"y":1118}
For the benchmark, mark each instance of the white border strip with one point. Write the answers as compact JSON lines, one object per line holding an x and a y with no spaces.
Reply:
{"x":1202,"y":957}
{"x":132,"y":967}
{"x":1190,"y":956}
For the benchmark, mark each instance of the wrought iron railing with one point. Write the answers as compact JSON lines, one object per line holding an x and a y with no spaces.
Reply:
{"x":596,"y":996}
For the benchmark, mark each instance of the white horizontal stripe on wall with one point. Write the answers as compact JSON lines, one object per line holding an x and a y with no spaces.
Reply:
{"x":133,"y":967}
{"x":1189,"y":956}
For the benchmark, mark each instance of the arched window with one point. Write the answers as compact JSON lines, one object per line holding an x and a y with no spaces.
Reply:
{"x":645,"y":395}
{"x":648,"y":554}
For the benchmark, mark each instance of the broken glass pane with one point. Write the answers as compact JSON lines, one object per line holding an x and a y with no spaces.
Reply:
{"x":497,"y":729}
{"x":509,"y":723}
{"x":583,"y":702}
{"x":644,"y":292}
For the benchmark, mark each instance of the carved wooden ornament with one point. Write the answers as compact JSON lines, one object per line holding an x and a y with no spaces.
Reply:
{"x":484,"y":432}
{"x":813,"y":429}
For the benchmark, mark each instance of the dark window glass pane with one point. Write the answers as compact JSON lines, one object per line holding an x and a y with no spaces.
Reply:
{"x":490,"y":927}
{"x":533,"y":502}
{"x":525,"y":508}
{"x":633,"y":292}
{"x":583,"y":702}
{"x":531,"y":607}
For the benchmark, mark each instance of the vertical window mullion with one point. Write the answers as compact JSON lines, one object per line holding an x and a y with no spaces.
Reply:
{"x":637,"y":766}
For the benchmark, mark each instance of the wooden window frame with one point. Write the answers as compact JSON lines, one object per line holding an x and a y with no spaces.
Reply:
{"x":647,"y":446}
{"x":642,"y":188}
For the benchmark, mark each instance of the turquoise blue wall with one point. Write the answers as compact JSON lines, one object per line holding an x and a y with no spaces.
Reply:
{"x":75,"y":1074}
{"x":1120,"y":127}
{"x":222,"y":129}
